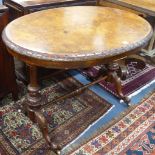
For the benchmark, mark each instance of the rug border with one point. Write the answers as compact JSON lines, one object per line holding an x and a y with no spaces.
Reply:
{"x":70,"y":77}
{"x":114,"y":93}
{"x":130,"y":145}
{"x":113,"y":121}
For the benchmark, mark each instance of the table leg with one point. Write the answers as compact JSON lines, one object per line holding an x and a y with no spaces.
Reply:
{"x":34,"y":106}
{"x":34,"y":96}
{"x":114,"y":78}
{"x":42,"y":122}
{"x":113,"y":73}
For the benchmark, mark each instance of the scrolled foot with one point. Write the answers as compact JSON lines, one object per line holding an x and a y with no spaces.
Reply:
{"x":56,"y":148}
{"x":41,"y":120}
{"x":113,"y":77}
{"x":127,"y":100}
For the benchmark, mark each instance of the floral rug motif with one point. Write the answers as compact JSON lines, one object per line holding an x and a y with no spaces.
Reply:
{"x":136,"y":78}
{"x":67,"y":119}
{"x":133,"y":134}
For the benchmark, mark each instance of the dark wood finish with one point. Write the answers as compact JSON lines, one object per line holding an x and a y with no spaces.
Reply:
{"x":34,"y":97}
{"x":7,"y":75}
{"x":42,"y":122}
{"x":114,"y":78}
{"x":76,"y":37}
{"x":75,"y":92}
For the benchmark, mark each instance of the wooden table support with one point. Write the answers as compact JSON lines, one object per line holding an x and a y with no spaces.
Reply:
{"x":115,"y":72}
{"x":34,"y":104}
{"x":72,"y":44}
{"x":114,"y":78}
{"x":33,"y":96}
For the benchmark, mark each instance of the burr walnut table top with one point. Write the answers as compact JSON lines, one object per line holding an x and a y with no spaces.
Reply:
{"x":146,"y":6}
{"x":72,"y":37}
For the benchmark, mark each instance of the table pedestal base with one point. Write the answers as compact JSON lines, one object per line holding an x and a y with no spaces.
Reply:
{"x":34,"y":99}
{"x":113,"y":72}
{"x":34,"y":105}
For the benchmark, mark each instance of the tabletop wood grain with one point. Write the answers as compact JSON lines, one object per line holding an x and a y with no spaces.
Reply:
{"x":76,"y":33}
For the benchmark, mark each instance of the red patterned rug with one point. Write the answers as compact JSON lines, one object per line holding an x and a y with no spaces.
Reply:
{"x":132,"y":134}
{"x":136,"y":79}
{"x":67,"y":119}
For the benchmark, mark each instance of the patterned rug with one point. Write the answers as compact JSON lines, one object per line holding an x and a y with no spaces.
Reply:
{"x":132,"y":134}
{"x":136,"y":78}
{"x":67,"y":119}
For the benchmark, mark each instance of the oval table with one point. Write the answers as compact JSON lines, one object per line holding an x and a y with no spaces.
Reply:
{"x":71,"y":38}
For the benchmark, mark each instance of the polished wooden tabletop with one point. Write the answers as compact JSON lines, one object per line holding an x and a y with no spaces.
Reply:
{"x":145,"y":6}
{"x":80,"y":33}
